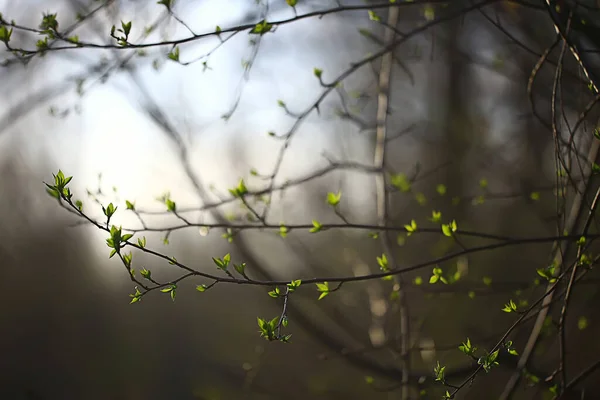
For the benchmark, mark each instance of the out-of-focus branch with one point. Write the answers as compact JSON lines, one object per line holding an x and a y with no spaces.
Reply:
{"x":381,"y":194}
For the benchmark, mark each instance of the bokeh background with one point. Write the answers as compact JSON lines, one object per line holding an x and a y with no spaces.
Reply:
{"x":133,"y":126}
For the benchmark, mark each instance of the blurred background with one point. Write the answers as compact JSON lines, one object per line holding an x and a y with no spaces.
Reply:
{"x":133,"y":125}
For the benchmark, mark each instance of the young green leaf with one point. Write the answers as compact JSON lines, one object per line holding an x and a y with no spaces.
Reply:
{"x":429,"y":12}
{"x":283,"y":231}
{"x":411,"y":228}
{"x":221,"y":264}
{"x":467,"y":348}
{"x":240,"y":268}
{"x":293,"y":285}
{"x":436,"y":216}
{"x":146,"y":273}
{"x":510,"y":307}
{"x":174,"y":54}
{"x":110,"y":210}
{"x":509,"y":349}
{"x":201,"y":288}
{"x":323,"y":288}
{"x":127,"y":258}
{"x":261,"y":28}
{"x":5,"y":34}
{"x":449,"y":229}
{"x":333,"y":199}
{"x":488,"y":361}
{"x":373,"y":16}
{"x":439,"y":373}
{"x":421,"y":199}
{"x":383,"y":263}
{"x":316,"y":226}
{"x":400,"y":182}
{"x":126,"y":26}
{"x":240,"y":190}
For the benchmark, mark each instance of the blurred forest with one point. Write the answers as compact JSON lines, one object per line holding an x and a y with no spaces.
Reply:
{"x":483,"y":111}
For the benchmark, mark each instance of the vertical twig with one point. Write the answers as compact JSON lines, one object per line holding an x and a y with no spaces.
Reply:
{"x":381,"y":193}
